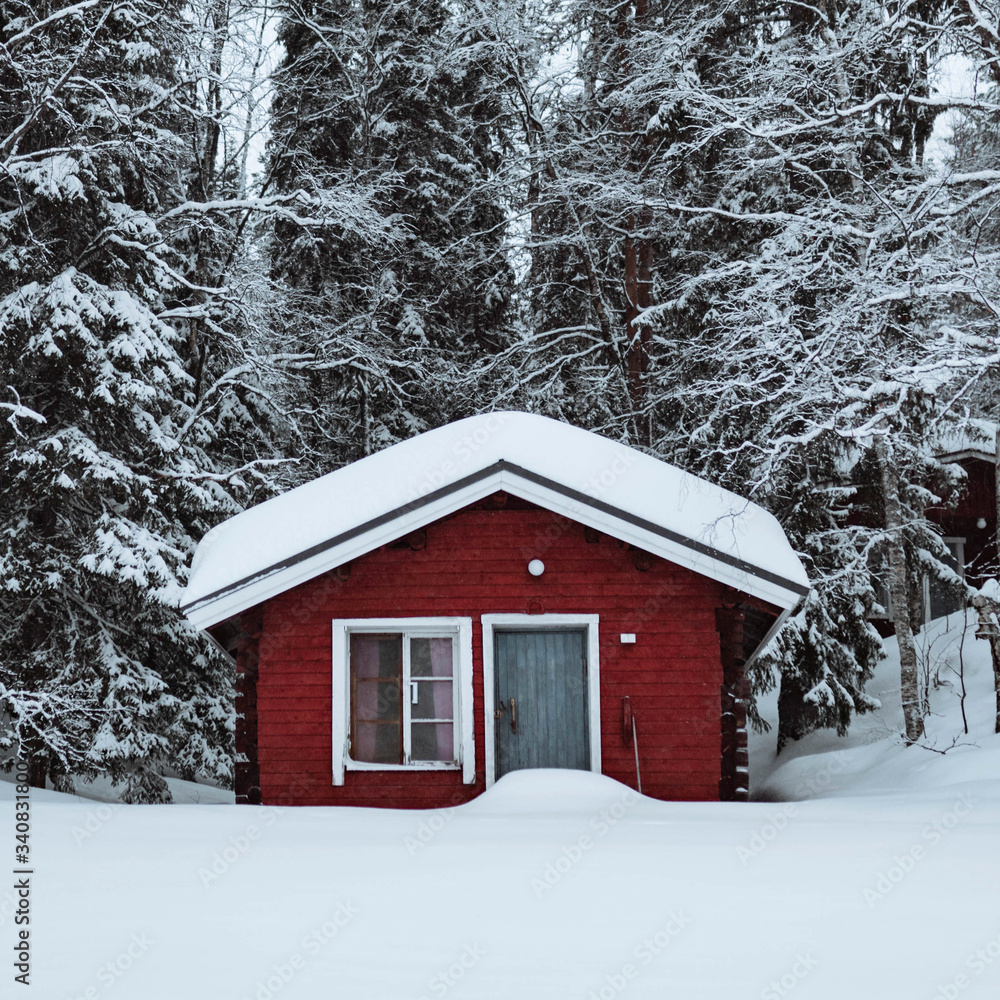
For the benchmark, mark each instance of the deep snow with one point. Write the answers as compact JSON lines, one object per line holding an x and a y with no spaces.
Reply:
{"x":884,"y":884}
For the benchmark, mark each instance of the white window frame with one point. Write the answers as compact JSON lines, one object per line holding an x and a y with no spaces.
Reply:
{"x":461,"y":630}
{"x":959,"y":543}
{"x":541,"y":623}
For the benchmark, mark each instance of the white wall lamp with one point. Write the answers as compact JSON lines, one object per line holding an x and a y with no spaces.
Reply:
{"x":536,"y":567}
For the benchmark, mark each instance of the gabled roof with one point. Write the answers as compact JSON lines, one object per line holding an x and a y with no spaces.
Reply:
{"x":622,"y":492}
{"x":976,"y":439}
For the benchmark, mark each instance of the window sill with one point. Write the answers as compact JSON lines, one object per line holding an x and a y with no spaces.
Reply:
{"x":424,"y":765}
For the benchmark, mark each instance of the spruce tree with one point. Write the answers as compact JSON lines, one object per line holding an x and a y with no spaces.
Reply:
{"x":808,"y":316}
{"x":808,"y":296}
{"x":384,"y":119}
{"x":105,"y":477}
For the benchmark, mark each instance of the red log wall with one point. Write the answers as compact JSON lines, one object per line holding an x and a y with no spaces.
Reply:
{"x":978,"y":500}
{"x":475,"y":562}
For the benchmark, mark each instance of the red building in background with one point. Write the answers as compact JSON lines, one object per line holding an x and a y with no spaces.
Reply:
{"x":970,"y":528}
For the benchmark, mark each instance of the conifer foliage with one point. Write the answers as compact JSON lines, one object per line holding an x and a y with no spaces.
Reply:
{"x":385,"y":118}
{"x":744,"y":256}
{"x":104,"y":477}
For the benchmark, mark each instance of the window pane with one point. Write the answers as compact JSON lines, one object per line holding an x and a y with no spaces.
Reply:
{"x":376,"y":698}
{"x":433,"y":741}
{"x":945,"y":600}
{"x":431,"y":657}
{"x":377,"y":701}
{"x":434,"y":700}
{"x":376,"y":656}
{"x":376,"y":743}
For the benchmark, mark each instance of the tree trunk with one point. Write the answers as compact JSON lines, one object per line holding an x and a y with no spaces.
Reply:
{"x":994,"y":636}
{"x":638,"y":249}
{"x":794,"y":718}
{"x":899,"y":592}
{"x":38,"y":766}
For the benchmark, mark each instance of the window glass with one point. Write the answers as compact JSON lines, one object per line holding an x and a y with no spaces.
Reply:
{"x":433,"y":741}
{"x":399,"y":701}
{"x":376,"y":698}
{"x":433,"y":700}
{"x":945,"y":600}
{"x":431,"y":657}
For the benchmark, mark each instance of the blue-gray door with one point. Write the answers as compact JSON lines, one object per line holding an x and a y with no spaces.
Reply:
{"x":541,"y":716}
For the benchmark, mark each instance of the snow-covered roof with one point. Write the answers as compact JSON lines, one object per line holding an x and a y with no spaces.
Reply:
{"x":657,"y":507}
{"x":975,"y":439}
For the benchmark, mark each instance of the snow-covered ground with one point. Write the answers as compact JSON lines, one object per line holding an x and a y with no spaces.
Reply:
{"x":884,"y":884}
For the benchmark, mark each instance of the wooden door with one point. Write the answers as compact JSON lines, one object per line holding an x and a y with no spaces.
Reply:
{"x":541,"y":717}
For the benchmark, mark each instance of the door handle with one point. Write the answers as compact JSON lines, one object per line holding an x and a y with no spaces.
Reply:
{"x":513,"y":716}
{"x":500,"y":711}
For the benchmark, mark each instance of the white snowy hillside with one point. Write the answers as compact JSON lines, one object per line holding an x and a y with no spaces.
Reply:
{"x":555,"y":884}
{"x":872,"y":758}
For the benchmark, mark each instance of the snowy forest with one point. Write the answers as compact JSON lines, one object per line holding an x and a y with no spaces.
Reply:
{"x":243,"y":244}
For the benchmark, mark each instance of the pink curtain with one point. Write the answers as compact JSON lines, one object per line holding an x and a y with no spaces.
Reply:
{"x":432,"y":741}
{"x":435,"y":741}
{"x":372,"y":699}
{"x":442,"y":665}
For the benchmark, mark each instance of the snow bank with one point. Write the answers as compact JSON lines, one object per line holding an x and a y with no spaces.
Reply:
{"x":549,"y":791}
{"x":873,"y":759}
{"x":102,"y":790}
{"x":552,"y":885}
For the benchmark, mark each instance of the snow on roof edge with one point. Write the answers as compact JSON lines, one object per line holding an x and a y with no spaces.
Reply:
{"x":407,"y":480}
{"x":976,"y":438}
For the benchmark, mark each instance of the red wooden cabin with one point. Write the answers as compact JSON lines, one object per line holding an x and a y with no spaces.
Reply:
{"x":504,"y":592}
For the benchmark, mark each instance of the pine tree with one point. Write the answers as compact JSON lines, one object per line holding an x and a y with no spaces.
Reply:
{"x":105,"y":478}
{"x":384,"y":119}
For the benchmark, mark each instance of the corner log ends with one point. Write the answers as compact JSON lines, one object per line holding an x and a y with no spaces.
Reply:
{"x":247,"y":777}
{"x":734,"y":781}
